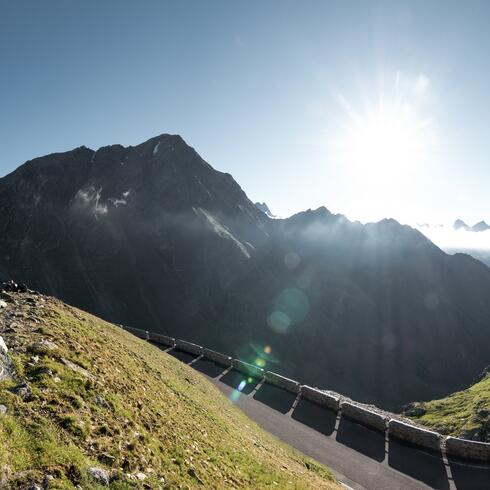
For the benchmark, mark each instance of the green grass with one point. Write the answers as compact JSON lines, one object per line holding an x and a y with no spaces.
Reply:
{"x":130,"y":409}
{"x":461,"y":413}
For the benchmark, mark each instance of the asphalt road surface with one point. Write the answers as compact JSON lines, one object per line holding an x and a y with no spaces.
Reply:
{"x":361,"y":458}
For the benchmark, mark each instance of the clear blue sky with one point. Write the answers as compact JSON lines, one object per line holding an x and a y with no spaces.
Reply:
{"x":284,"y":95}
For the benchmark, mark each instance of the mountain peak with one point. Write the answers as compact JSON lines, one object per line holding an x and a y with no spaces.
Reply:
{"x":264,"y":208}
{"x":480,"y":226}
{"x":460,"y":224}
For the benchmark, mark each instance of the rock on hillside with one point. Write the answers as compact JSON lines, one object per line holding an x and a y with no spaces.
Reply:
{"x":91,"y":405}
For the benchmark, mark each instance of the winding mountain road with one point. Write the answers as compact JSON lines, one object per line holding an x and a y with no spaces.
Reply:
{"x":360,"y":457}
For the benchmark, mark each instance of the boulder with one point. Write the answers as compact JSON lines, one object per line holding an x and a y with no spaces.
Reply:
{"x":13,"y":287}
{"x":77,"y":368}
{"x":6,"y":367}
{"x":23,"y":391}
{"x":99,"y":475}
{"x":3,"y":346}
{"x":47,"y":480}
{"x":34,"y":486}
{"x":42,"y":347}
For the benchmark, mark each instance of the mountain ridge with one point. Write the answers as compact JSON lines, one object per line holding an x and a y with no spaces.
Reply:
{"x":152,"y":236}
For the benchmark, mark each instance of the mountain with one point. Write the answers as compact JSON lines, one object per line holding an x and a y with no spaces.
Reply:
{"x":460,"y":225}
{"x":264,"y":208}
{"x":141,"y":234}
{"x":483,"y":255}
{"x":152,"y":236}
{"x":480,"y":226}
{"x":92,"y":406}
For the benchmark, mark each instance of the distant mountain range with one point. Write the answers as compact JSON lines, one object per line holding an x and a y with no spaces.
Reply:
{"x":152,"y":236}
{"x":480,"y":226}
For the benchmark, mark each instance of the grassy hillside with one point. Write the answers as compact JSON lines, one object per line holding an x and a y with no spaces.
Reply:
{"x":462,"y":414}
{"x":96,"y":396}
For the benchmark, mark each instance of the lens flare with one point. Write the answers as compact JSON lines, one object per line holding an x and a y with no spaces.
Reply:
{"x":292,"y":307}
{"x":234,"y":396}
{"x":279,"y":321}
{"x":291,"y":260}
{"x":267,"y":349}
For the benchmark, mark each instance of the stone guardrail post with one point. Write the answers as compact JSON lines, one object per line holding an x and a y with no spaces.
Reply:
{"x":465,"y":449}
{"x":364,"y":416}
{"x":282,"y":382}
{"x":248,"y":369}
{"x":162,"y":339}
{"x":415,"y":435}
{"x":188,"y":347}
{"x":321,"y":398}
{"x":217,"y":357}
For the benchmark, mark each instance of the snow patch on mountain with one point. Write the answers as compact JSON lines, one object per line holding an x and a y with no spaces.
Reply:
{"x":91,"y":199}
{"x":120,"y":201}
{"x":221,"y":230}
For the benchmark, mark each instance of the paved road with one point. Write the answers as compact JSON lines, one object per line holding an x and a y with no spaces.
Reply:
{"x":361,"y":458}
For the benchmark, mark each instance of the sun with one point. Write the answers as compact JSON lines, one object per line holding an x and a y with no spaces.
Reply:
{"x":384,"y":144}
{"x":389,"y":139}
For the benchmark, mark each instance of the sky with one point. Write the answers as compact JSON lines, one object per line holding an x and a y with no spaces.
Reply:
{"x":372,"y":109}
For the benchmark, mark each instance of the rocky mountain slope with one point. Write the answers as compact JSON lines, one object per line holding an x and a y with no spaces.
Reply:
{"x":464,"y":414}
{"x":152,"y":236}
{"x":89,"y":404}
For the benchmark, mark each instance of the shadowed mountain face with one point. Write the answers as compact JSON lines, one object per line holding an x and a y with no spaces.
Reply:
{"x":153,"y":237}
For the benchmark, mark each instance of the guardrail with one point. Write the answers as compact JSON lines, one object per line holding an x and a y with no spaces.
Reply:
{"x":417,"y":436}
{"x":364,"y":416}
{"x":320,"y":397}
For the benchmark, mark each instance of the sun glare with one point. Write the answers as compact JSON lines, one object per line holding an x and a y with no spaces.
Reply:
{"x":381,"y":142}
{"x":388,"y":139}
